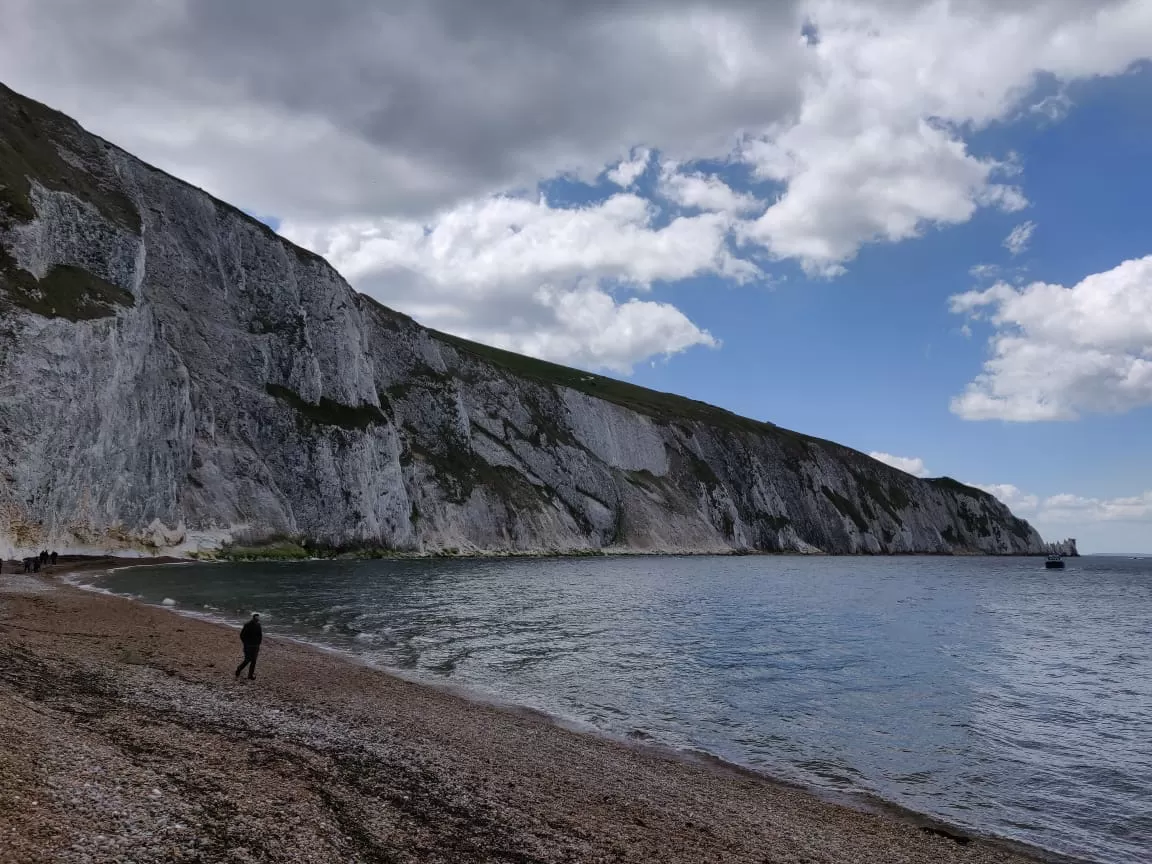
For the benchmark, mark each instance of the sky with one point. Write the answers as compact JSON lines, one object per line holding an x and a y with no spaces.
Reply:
{"x":916,"y":227}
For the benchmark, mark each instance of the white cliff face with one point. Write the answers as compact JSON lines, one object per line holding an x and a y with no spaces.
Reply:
{"x":175,"y":377}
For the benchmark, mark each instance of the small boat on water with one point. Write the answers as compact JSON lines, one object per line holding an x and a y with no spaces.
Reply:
{"x":1054,"y":562}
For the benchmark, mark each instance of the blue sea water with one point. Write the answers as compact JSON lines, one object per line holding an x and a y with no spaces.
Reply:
{"x":995,"y":694}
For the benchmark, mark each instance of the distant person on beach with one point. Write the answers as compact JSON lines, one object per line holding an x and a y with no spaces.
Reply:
{"x":36,"y":564}
{"x":250,"y":637}
{"x":43,"y":557}
{"x":52,"y":558}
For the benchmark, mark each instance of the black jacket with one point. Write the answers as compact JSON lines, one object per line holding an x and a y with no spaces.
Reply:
{"x":251,"y":634}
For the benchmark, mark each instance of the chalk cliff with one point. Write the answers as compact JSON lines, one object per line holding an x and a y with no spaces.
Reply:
{"x":174,"y":377}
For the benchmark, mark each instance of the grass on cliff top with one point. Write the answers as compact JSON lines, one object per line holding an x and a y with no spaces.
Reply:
{"x":670,"y":407}
{"x":30,"y":135}
{"x":1019,"y":527}
{"x":956,"y":486}
{"x":652,"y":403}
{"x":388,"y":316}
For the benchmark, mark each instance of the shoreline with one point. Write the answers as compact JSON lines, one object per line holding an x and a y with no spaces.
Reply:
{"x":860,"y":800}
{"x":253,"y":555}
{"x":720,"y":794}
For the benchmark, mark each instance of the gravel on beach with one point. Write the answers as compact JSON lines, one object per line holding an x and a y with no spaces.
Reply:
{"x":124,"y":737}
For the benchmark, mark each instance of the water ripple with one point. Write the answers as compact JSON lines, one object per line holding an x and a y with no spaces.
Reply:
{"x":988,"y":692}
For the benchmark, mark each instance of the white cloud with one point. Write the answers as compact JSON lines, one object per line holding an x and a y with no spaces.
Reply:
{"x":531,"y":277}
{"x":1100,"y":524}
{"x":1066,"y":509}
{"x":404,"y":108}
{"x":1058,"y":352}
{"x":876,"y":153}
{"x":1055,"y":515}
{"x":1075,"y":509}
{"x":1054,"y":107}
{"x":1019,"y":502}
{"x":1017,"y":241}
{"x":884,"y":184}
{"x":594,"y":330}
{"x":628,"y":171}
{"x":389,"y":135}
{"x":351,"y":108}
{"x":701,"y":191}
{"x":910,"y":465}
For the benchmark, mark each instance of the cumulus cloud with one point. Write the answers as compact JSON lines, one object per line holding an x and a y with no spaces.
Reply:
{"x":628,"y":171}
{"x":910,"y":465}
{"x":1062,"y":512}
{"x":531,"y":277}
{"x":1076,"y":509}
{"x":884,"y":184}
{"x":375,"y":126}
{"x":1057,"y":352}
{"x":594,"y":330}
{"x":695,"y":189}
{"x":1100,"y":524}
{"x":1019,"y":502}
{"x":1067,"y":509}
{"x":1017,"y":241}
{"x":410,"y":106}
{"x":877,"y":154}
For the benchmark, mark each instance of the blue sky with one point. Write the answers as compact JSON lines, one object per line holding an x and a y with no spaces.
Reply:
{"x":796,"y":210}
{"x":872,"y":358}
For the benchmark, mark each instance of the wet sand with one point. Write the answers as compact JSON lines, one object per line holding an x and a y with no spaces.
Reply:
{"x":124,"y":737}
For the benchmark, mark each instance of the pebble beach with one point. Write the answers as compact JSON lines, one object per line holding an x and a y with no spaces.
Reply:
{"x":124,"y":737}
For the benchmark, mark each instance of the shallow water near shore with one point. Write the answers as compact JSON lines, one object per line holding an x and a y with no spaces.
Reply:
{"x":988,"y":692}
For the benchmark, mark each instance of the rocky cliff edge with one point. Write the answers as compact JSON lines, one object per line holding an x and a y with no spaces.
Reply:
{"x":177,"y":378}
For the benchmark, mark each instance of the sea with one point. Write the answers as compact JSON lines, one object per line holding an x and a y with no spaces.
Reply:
{"x":994,"y":694}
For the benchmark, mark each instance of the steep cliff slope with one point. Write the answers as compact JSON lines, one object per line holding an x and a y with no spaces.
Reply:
{"x":175,"y":376}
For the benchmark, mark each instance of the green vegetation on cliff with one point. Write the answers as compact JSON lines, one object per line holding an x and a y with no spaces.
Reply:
{"x":65,"y":292}
{"x":328,"y":412}
{"x":28,"y":150}
{"x":666,"y":407}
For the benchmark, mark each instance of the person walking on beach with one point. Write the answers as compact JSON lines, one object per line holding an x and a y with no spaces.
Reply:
{"x":52,"y":558}
{"x":250,"y":637}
